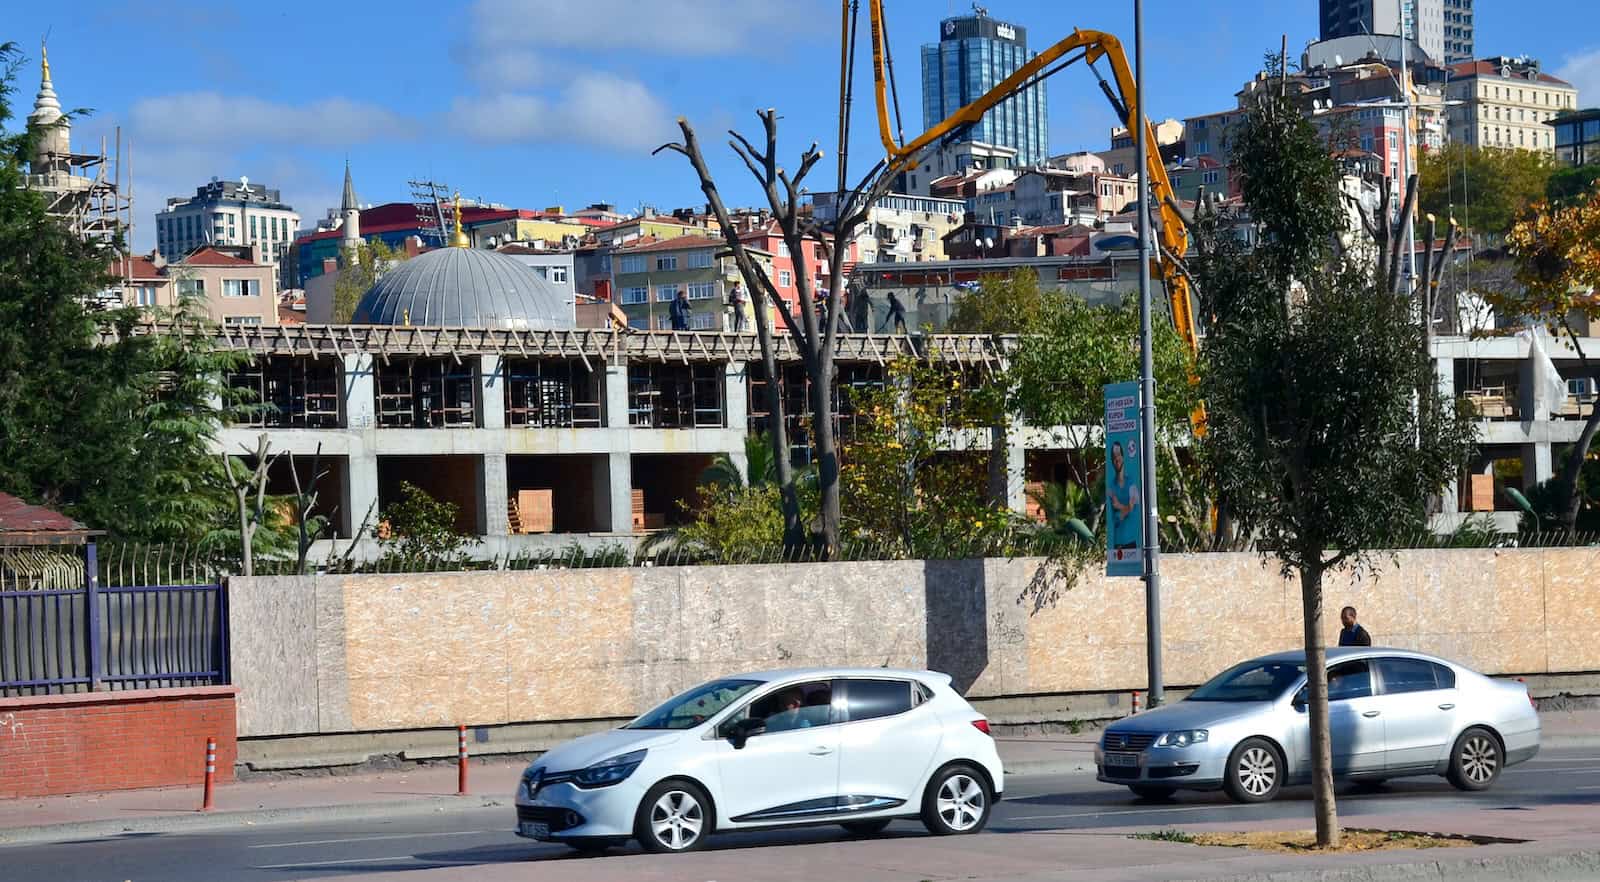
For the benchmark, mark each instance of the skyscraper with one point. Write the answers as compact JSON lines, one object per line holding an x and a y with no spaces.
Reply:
{"x":1443,"y":28}
{"x":974,"y":54}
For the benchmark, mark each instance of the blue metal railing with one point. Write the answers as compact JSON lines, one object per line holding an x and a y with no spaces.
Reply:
{"x":94,"y":638}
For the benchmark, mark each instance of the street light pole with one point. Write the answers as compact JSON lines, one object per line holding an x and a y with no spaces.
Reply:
{"x":1147,"y":381}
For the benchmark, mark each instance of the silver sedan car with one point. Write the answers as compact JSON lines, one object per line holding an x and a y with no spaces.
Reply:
{"x":1392,"y":713}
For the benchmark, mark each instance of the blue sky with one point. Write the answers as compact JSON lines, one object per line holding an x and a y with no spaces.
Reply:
{"x":540,"y":102}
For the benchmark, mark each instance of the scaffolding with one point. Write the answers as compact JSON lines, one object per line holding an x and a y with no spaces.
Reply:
{"x":288,"y":393}
{"x":87,"y":192}
{"x":675,"y":396}
{"x":426,"y":393}
{"x":548,"y":393}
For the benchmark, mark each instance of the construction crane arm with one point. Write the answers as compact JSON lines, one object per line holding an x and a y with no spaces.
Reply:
{"x":1094,"y":45}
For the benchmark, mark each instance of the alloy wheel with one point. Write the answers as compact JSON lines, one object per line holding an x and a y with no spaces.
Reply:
{"x":677,"y":819}
{"x":1480,"y":759}
{"x":960,"y":802}
{"x":1258,"y":771}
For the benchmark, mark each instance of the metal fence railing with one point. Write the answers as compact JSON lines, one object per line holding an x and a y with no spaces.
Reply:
{"x":130,"y":634}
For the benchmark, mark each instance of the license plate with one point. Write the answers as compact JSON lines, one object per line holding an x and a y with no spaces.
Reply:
{"x":1122,"y":759}
{"x":533,"y":829}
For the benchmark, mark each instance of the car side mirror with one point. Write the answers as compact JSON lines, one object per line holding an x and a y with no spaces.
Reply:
{"x":739,"y":731}
{"x":1299,"y":702}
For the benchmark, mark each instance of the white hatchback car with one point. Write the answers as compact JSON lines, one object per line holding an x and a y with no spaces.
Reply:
{"x":856,"y":747}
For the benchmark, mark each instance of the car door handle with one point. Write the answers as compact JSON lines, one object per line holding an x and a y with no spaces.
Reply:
{"x":821,"y":751}
{"x":1447,"y":706}
{"x":1370,"y":714}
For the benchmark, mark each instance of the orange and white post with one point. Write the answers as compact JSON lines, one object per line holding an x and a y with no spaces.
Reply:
{"x":461,"y":760}
{"x":211,"y":773}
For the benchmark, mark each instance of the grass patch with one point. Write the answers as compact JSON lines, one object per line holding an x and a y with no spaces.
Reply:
{"x":1165,"y":836}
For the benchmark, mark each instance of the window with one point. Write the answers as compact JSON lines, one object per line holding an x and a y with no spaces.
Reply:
{"x":1402,"y":675}
{"x":1210,"y":177}
{"x":703,"y":291}
{"x":870,"y":699}
{"x":191,"y":287}
{"x":633,"y":263}
{"x":253,"y":233}
{"x":699,"y":259}
{"x":242,"y":320}
{"x":639,"y":322}
{"x":666,"y":293}
{"x":667,"y":262}
{"x":704,"y":321}
{"x":801,"y":706}
{"x":558,"y":274}
{"x":1349,"y":680}
{"x":1250,"y":682}
{"x":783,"y":248}
{"x":635,"y":295}
{"x":145,"y":295}
{"x":785,"y":279}
{"x":693,"y":707}
{"x":241,"y":287}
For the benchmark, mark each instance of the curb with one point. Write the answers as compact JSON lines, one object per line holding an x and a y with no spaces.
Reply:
{"x":1577,"y":866}
{"x":188,"y":822}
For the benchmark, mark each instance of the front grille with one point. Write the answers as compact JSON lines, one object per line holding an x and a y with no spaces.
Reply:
{"x":558,"y":818}
{"x":1174,"y":771}
{"x":1127,"y":772}
{"x":1130,"y":741}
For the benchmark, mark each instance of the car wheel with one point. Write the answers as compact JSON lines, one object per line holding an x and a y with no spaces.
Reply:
{"x":1146,"y":791}
{"x":1255,"y":771}
{"x":674,"y":816}
{"x":957,"y":801}
{"x":1475,"y":762}
{"x":866,"y":828}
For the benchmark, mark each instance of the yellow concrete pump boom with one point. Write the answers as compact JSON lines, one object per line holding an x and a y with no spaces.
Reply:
{"x":1095,"y":45}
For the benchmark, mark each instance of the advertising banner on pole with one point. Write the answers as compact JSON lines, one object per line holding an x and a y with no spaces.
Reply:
{"x":1124,"y":501}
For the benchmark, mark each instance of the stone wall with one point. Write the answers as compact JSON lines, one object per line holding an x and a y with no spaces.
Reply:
{"x":329,"y":654}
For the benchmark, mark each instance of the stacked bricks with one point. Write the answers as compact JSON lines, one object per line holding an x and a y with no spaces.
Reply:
{"x":97,"y":741}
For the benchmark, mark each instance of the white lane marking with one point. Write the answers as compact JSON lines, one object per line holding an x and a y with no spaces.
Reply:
{"x":1186,"y":808}
{"x":371,"y":838}
{"x":1574,"y":770}
{"x":380,"y":860}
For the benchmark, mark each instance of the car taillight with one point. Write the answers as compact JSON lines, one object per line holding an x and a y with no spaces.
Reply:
{"x":982,"y":725}
{"x":1529,"y":692}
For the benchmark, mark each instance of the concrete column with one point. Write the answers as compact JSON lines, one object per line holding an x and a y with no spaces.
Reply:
{"x":736,"y":398}
{"x":494,"y":496}
{"x":360,"y":392}
{"x":613,"y":492}
{"x":1016,"y":475}
{"x":361,"y":468}
{"x":1535,"y":464}
{"x":616,"y":394}
{"x":1445,"y":370}
{"x":491,"y":401}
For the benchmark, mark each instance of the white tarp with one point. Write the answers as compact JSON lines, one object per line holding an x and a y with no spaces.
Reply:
{"x":1549,"y":389}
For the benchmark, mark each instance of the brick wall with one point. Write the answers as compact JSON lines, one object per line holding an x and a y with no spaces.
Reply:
{"x":114,"y":740}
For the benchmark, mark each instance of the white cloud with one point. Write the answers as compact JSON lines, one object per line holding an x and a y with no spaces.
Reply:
{"x":667,"y":27}
{"x":598,"y":109}
{"x":214,"y":118}
{"x":1583,"y":71}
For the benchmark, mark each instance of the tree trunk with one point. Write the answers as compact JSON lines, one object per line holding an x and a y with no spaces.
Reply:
{"x":1317,"y":706}
{"x":1573,"y":470}
{"x":827,"y":452}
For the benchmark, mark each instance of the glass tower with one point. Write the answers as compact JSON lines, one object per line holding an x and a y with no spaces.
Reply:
{"x":974,"y":54}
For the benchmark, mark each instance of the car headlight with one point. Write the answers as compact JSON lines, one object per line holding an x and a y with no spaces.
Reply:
{"x":611,"y":771}
{"x":1183,"y":738}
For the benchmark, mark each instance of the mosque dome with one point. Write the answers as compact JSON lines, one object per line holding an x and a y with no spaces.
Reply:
{"x":468,"y":288}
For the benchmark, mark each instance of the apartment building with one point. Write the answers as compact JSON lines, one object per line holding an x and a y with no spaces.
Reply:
{"x":230,"y":213}
{"x":1506,"y":102}
{"x":647,"y":276}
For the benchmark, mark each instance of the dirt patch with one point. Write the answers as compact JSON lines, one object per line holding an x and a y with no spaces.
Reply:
{"x":1305,"y":841}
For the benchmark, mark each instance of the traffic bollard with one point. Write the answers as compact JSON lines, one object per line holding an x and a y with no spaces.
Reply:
{"x":211,"y":773}
{"x":1135,"y":701}
{"x":461,"y":760}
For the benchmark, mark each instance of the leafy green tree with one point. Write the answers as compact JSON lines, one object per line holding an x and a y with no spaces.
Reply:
{"x":420,"y":531}
{"x":1310,"y":369}
{"x":1485,"y":188}
{"x":1003,"y":304}
{"x":373,"y":259}
{"x":760,"y":467}
{"x":1570,"y":185}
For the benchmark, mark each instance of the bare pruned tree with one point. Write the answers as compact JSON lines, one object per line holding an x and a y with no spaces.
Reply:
{"x":251,"y":511}
{"x":305,"y":502}
{"x":814,"y":332}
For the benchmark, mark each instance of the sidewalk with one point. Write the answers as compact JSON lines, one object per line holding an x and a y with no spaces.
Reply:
{"x":432,"y":788}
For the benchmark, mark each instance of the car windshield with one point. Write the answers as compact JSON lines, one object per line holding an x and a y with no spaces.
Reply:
{"x":1251,"y":681}
{"x":694,"y":707}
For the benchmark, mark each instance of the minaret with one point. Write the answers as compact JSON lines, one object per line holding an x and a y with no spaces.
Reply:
{"x":54,"y":130}
{"x":351,"y":213}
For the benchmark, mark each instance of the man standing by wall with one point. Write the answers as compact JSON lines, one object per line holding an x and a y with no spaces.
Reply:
{"x":1352,"y":634}
{"x":679,"y":311}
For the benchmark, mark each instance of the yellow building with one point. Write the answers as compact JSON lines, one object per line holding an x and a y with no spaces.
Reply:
{"x":1505,"y":102}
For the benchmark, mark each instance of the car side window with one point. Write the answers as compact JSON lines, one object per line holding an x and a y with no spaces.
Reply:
{"x":800,"y":706}
{"x":870,"y":699}
{"x":1401,"y":675}
{"x":1445,"y":676}
{"x":1347,"y":680}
